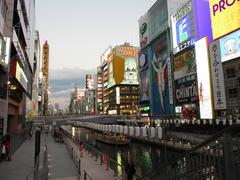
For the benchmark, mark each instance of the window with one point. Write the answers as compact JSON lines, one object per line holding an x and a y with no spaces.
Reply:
{"x":233,"y":93}
{"x":231,"y":73}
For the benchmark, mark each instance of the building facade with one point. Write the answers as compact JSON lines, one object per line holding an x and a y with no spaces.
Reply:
{"x":120,"y":81}
{"x":45,"y":61}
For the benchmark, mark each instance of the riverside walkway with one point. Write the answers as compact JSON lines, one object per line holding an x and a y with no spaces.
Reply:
{"x":60,"y":164}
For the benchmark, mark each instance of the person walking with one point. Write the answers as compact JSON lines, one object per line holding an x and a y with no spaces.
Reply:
{"x":81,"y":149}
{"x":3,"y":152}
{"x":130,"y":171}
{"x":30,"y":134}
{"x":8,"y":146}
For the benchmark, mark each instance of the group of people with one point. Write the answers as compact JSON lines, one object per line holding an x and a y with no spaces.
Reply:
{"x":5,"y":149}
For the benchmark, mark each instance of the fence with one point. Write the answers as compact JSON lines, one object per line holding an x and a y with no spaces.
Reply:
{"x":215,"y":158}
{"x":17,"y":140}
{"x":102,"y":158}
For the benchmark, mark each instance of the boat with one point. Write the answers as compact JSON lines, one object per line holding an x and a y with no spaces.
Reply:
{"x":111,"y":138}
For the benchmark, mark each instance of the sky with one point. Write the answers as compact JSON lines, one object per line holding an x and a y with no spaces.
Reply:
{"x":78,"y":32}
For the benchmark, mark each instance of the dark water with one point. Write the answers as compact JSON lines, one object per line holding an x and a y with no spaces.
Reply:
{"x":145,"y":157}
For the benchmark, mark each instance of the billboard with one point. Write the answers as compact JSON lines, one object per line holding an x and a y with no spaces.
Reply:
{"x":89,"y":82}
{"x":130,"y":71}
{"x":225,"y":16}
{"x":203,"y":77}
{"x":217,"y":76}
{"x":111,"y":81}
{"x":186,"y":91}
{"x":143,"y":30}
{"x":230,"y":46}
{"x":144,"y":76}
{"x":182,"y":24}
{"x":184,"y":64}
{"x":161,"y":81}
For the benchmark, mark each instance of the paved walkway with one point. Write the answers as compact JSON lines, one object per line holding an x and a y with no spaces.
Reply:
{"x":60,"y":163}
{"x":92,"y":167}
{"x":22,"y":163}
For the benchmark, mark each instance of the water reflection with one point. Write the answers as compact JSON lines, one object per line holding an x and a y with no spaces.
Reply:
{"x":145,"y":157}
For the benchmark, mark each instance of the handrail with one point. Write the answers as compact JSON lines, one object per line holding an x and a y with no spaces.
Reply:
{"x":214,"y":138}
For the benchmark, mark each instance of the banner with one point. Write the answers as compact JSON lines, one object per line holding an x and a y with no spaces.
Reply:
{"x":143,"y":30}
{"x":144,"y":77}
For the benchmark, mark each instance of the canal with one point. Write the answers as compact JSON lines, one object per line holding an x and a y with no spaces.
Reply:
{"x":145,"y":156}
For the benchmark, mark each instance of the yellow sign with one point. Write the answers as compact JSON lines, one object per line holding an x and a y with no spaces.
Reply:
{"x":225,"y":15}
{"x":18,"y":72}
{"x":118,"y":69}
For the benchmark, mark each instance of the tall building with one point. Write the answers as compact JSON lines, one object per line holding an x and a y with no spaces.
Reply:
{"x":120,"y":83}
{"x":5,"y":34}
{"x":32,"y":105}
{"x":45,"y":57}
{"x":17,"y":21}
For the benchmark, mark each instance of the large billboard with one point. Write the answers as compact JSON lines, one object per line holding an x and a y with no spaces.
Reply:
{"x":182,"y":24}
{"x":203,"y":78}
{"x":161,"y":81}
{"x":184,"y":64}
{"x":143,"y":30}
{"x":144,"y":76}
{"x":225,"y":16}
{"x":230,"y":46}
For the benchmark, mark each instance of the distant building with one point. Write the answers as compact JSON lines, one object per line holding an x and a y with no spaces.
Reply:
{"x":45,"y":57}
{"x":120,"y":81}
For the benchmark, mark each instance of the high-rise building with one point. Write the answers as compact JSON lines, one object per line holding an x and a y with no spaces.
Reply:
{"x":17,"y":23}
{"x":120,"y":81}
{"x":45,"y":57}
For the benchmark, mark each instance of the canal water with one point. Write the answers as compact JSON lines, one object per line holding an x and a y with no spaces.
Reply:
{"x":145,"y":157}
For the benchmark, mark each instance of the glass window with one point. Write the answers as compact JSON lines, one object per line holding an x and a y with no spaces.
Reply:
{"x":231,"y":73}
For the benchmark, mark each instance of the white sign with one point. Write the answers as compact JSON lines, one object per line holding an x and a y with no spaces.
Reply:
{"x":143,"y":30}
{"x":117,"y":95}
{"x":203,"y":76}
{"x":217,"y":76}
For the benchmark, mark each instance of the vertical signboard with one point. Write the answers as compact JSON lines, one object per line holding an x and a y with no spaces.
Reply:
{"x":144,"y":77}
{"x":117,"y":95}
{"x":203,"y":77}
{"x":217,"y":76}
{"x":143,"y":30}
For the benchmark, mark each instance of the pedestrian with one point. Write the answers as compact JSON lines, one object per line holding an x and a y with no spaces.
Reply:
{"x":3,"y":151}
{"x":130,"y":171}
{"x":7,"y":144}
{"x":30,"y":134}
{"x":81,"y":149}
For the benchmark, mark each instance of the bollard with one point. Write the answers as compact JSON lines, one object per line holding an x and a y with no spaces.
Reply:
{"x":107,"y":163}
{"x":85,"y":176}
{"x":101,"y":160}
{"x":72,"y":152}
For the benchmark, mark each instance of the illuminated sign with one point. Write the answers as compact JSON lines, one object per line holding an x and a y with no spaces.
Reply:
{"x":184,"y":64}
{"x":230,"y":46}
{"x":146,"y":108}
{"x":182,"y":24}
{"x":217,"y":76}
{"x":183,"y":27}
{"x":183,"y":46}
{"x":225,"y":15}
{"x":117,"y":95}
{"x":203,"y":78}
{"x":143,"y":30}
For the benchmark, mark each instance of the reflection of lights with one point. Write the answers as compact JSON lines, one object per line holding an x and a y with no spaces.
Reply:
{"x":119,"y":161}
{"x":73,"y":131}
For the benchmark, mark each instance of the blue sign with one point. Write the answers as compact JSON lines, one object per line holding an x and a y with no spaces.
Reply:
{"x":183,"y":28}
{"x":230,"y":46}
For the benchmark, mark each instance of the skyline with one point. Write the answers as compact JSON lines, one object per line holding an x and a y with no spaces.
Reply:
{"x":87,"y":29}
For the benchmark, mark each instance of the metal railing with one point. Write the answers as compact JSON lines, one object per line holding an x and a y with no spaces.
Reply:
{"x":216,"y":158}
{"x":102,"y":158}
{"x":75,"y":157}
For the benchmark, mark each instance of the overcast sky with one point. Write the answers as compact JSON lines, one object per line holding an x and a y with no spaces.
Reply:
{"x":78,"y":31}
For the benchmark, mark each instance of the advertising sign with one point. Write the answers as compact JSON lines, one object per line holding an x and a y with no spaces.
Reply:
{"x":203,"y":74}
{"x":230,"y":46}
{"x":130,"y":72}
{"x":184,"y":64}
{"x":89,"y":82}
{"x":225,"y":15}
{"x":111,"y":81}
{"x":186,"y":91}
{"x":117,"y":95}
{"x":161,"y":82}
{"x":144,"y":77}
{"x":217,"y":76}
{"x":143,"y":30}
{"x":182,"y":24}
